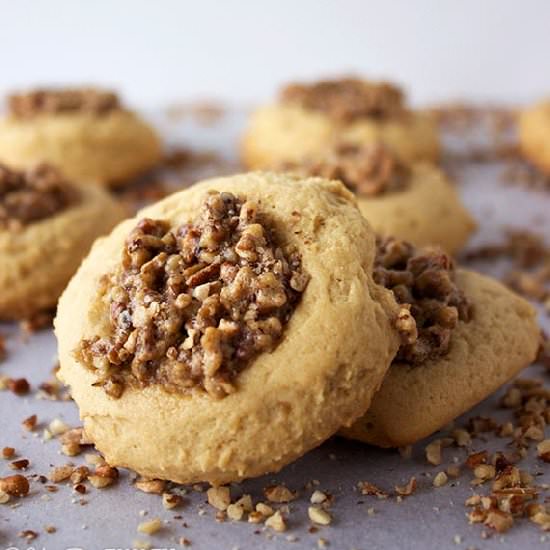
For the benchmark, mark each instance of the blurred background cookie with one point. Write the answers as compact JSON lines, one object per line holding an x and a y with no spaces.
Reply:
{"x":416,"y":202}
{"x":463,"y":336}
{"x":309,"y":117}
{"x":221,"y":333}
{"x":47,"y":225}
{"x":534,"y":130}
{"x":86,"y":132}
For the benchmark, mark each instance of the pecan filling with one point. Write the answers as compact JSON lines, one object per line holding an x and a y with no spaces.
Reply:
{"x":367,"y":170}
{"x":190,"y":307}
{"x":52,"y":101}
{"x":33,"y":195}
{"x":348,"y":99}
{"x":423,"y":281}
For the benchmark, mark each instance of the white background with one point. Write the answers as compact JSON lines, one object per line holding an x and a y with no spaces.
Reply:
{"x":163,"y":50}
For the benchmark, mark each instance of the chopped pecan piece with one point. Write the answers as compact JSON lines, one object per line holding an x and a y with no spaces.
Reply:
{"x":51,"y":101}
{"x":424,"y":280}
{"x":348,"y":99}
{"x":190,"y":307}
{"x":35,"y":194}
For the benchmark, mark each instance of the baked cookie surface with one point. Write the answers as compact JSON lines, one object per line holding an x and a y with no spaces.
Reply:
{"x":534,"y":130}
{"x":316,"y":375}
{"x":414,"y":401}
{"x":416,"y":203}
{"x":47,"y":226}
{"x":304,"y":123}
{"x":85,"y":132}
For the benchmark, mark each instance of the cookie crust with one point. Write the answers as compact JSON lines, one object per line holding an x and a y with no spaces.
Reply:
{"x":427,"y":211}
{"x":37,"y":261}
{"x":288,"y":133}
{"x":318,"y":378}
{"x":106,"y":150}
{"x":413,"y":402}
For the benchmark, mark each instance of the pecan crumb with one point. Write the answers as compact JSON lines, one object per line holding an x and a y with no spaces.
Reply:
{"x":348,"y":99}
{"x":191,"y":306}
{"x":367,"y":170}
{"x":19,"y":386}
{"x":16,"y":485}
{"x":279,"y":493}
{"x":32,"y":195}
{"x":408,"y":489}
{"x":153,"y":486}
{"x":219,"y":497}
{"x":52,"y":101}
{"x":30,"y":423}
{"x":424,"y":280}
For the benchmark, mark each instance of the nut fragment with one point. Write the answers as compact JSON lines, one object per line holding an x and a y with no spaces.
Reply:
{"x":433,"y":452}
{"x":104,"y":476}
{"x":319,"y":516}
{"x":408,"y":489}
{"x":370,"y":489}
{"x":152,"y":486}
{"x":171,"y":501}
{"x":58,"y":427}
{"x":150,"y":527}
{"x":440,"y":479}
{"x":276,"y":522}
{"x":16,"y":485}
{"x":462,"y":437}
{"x":499,"y":521}
{"x":235,"y":512}
{"x":279,"y":493}
{"x":30,"y":423}
{"x":318,"y":497}
{"x":19,"y":386}
{"x":8,"y":452}
{"x":485,"y":471}
{"x":60,"y":473}
{"x":264,"y":509}
{"x":20,"y":464}
{"x":219,"y":497}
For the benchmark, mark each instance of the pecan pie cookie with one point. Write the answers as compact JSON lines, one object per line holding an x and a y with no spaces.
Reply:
{"x":228,"y":329}
{"x":47,"y":225}
{"x":86,"y":132}
{"x":414,"y":202}
{"x":534,"y":130}
{"x":463,"y":336}
{"x":309,"y":117}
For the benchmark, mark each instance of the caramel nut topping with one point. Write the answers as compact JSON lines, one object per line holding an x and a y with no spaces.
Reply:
{"x":367,"y":170}
{"x":347,"y":99}
{"x":32,"y":195}
{"x":52,"y":101}
{"x":424,"y":280}
{"x":190,"y":307}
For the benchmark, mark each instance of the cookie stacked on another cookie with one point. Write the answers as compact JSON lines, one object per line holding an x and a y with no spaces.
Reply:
{"x":463,"y":336}
{"x":311,"y":117}
{"x":86,"y":132}
{"x":228,"y":329}
{"x":414,"y":202}
{"x":47,"y":225}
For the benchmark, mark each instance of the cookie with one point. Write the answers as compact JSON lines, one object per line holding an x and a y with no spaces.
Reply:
{"x":457,"y":358}
{"x":534,"y":132}
{"x":310,"y":117}
{"x":221,"y":333}
{"x":416,"y":202}
{"x":87,"y":133}
{"x":47,"y":225}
